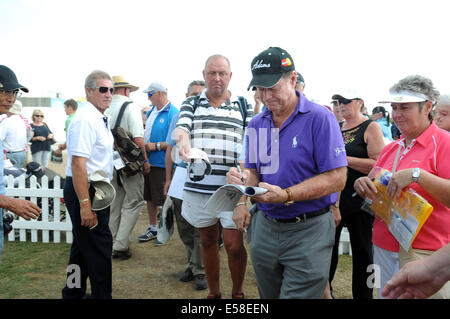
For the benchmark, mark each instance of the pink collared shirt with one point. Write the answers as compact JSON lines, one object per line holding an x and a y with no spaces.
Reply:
{"x":430,"y":152}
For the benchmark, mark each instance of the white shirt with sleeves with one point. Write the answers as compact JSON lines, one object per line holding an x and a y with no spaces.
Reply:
{"x":90,"y":137}
{"x":13,"y":133}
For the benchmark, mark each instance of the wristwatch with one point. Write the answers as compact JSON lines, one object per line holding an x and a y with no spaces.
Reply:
{"x":415,"y":174}
{"x":289,"y":200}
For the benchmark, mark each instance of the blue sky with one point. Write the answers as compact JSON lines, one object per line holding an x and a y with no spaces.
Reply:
{"x":367,"y":45}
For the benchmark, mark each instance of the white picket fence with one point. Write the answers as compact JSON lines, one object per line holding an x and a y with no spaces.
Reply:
{"x":50,"y":223}
{"x":344,"y":243}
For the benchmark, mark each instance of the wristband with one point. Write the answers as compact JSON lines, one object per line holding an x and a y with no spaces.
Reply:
{"x":84,"y":200}
{"x":158,"y":146}
{"x":240,"y":203}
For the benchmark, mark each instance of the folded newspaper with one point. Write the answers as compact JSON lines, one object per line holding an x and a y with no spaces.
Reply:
{"x":227,"y":196}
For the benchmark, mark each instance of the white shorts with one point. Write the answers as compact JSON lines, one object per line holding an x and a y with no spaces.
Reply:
{"x":193,"y":210}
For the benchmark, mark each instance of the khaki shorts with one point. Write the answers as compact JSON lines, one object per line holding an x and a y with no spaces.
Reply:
{"x":193,"y":210}
{"x":154,"y":186}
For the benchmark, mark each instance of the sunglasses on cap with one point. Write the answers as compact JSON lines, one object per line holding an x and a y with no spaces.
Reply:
{"x":104,"y":89}
{"x":343,"y":100}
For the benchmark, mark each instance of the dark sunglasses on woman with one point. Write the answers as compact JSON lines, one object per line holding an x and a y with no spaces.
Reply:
{"x":344,"y":101}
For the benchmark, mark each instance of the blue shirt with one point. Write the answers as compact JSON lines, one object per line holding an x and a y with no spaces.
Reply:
{"x":386,"y":127}
{"x":159,"y":133}
{"x":308,"y":143}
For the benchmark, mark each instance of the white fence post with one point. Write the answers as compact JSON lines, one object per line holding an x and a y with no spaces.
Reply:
{"x":48,"y":223}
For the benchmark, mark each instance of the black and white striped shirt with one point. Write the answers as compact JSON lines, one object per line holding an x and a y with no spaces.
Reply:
{"x":218,"y":132}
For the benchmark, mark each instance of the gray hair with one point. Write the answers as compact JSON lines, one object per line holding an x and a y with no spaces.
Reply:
{"x":417,"y":84}
{"x":444,"y":100}
{"x":195,"y":83}
{"x":91,"y":80}
{"x":215,"y":56}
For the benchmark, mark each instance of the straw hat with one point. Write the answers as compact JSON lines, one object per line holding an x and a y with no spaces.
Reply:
{"x":120,"y":82}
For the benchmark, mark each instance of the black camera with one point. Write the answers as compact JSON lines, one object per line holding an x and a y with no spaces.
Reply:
{"x":8,"y":218}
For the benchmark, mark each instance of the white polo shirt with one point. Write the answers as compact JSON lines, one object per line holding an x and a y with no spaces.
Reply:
{"x":90,"y":137}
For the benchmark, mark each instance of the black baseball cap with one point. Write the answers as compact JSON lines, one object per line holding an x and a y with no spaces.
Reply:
{"x":269,"y":66}
{"x":8,"y":80}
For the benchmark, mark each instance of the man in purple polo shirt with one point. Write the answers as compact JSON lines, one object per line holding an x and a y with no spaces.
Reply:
{"x":296,"y":151}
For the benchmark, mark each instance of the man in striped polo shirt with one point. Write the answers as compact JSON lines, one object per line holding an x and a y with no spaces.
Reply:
{"x":214,"y":123}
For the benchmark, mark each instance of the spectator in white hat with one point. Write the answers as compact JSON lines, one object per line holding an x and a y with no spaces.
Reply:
{"x":422,"y":164}
{"x":129,"y":189}
{"x":363,"y":139}
{"x":155,"y":135}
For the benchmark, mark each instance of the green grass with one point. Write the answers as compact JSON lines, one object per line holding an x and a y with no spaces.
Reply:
{"x":33,"y":270}
{"x":38,"y":271}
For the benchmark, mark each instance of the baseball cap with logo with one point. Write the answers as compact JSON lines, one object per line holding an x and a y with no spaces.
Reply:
{"x":269,"y":66}
{"x":156,"y":87}
{"x":8,"y":80}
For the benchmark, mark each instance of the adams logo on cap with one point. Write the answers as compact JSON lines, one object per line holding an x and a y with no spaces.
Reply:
{"x":259,"y":64}
{"x":286,"y":62}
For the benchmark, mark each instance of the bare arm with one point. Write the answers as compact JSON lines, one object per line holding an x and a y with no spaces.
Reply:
{"x":20,"y":207}
{"x":183,"y":142}
{"x":81,"y":186}
{"x":437,"y":187}
{"x":420,"y":278}
{"x":373,"y":136}
{"x":140,"y":142}
{"x":169,"y":168}
{"x":326,"y":183}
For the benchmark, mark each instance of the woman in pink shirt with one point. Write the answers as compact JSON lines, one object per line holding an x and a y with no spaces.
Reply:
{"x":422,"y":165}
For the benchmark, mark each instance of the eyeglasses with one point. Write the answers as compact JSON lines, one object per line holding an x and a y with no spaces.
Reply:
{"x":104,"y":89}
{"x":344,"y":101}
{"x":38,"y":115}
{"x":15,"y":93}
{"x":150,"y":94}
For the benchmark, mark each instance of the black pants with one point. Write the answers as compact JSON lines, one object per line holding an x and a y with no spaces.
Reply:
{"x":359,"y":226}
{"x":91,"y":251}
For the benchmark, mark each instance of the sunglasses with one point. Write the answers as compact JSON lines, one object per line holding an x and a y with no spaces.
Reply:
{"x":104,"y":89}
{"x":39,"y":115}
{"x":344,"y":101}
{"x":150,"y":94}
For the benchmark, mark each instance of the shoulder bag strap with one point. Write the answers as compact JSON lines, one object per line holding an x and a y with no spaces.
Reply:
{"x":119,"y":117}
